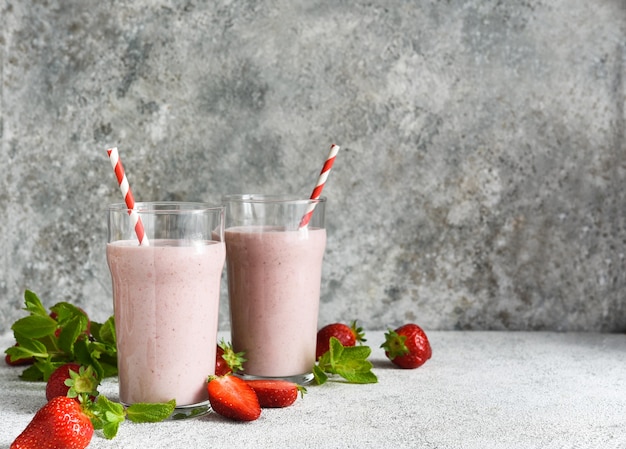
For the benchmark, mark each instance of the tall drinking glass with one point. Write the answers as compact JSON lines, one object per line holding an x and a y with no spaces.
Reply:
{"x":274,"y":267}
{"x":166,"y":301}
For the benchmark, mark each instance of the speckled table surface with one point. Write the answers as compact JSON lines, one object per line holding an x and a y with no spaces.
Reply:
{"x":479,"y":390}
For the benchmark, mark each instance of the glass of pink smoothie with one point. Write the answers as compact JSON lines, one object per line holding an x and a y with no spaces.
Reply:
{"x":166,"y":301}
{"x":274,"y":269}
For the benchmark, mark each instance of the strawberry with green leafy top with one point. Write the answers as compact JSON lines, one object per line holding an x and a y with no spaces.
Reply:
{"x":61,"y":423}
{"x":71,"y":380}
{"x":276,"y":393}
{"x":227,"y":360}
{"x":233,"y":398}
{"x":65,"y":343}
{"x":347,"y":336}
{"x":69,"y":424}
{"x":407,"y":347}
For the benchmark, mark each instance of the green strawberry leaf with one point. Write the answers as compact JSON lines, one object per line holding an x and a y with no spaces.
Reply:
{"x":84,"y":381}
{"x":146,"y":413}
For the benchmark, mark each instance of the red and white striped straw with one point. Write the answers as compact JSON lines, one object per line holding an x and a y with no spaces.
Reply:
{"x":118,"y":168}
{"x":321,"y":180}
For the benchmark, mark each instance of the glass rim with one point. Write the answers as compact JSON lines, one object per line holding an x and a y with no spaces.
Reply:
{"x":270,"y":198}
{"x":166,"y":207}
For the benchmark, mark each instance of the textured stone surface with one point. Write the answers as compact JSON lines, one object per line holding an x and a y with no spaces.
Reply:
{"x":480,"y":183}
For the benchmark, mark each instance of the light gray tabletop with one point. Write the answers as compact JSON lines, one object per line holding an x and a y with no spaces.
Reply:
{"x":479,"y":390}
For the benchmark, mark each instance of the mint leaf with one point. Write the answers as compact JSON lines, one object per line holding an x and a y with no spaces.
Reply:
{"x":145,"y":413}
{"x":70,"y":333}
{"x":356,"y":352}
{"x":107,"y":416}
{"x":319,"y":375}
{"x":65,"y":311}
{"x":61,"y":336}
{"x":27,"y":348}
{"x":31,"y":374}
{"x":357,"y":372}
{"x":84,"y":356}
{"x":335,"y":350}
{"x":107,"y":332}
{"x":47,"y":367}
{"x":348,"y":362}
{"x":35,"y":326}
{"x":103,"y":357}
{"x":33,"y":304}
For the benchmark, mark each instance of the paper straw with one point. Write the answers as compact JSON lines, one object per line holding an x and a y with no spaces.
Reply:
{"x":118,"y":168}
{"x":321,"y":180}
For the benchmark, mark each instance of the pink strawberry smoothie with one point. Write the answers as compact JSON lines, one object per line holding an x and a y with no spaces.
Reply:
{"x":166,"y":301}
{"x":274,"y":290}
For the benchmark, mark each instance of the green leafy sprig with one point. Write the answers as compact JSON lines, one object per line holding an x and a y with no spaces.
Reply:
{"x":64,"y":334}
{"x":107,"y":415}
{"x":349,"y":362}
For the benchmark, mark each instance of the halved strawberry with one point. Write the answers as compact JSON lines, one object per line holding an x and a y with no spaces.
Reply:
{"x":72,"y":380}
{"x":276,"y":393}
{"x":61,"y":423}
{"x":227,"y":360}
{"x":407,"y":346}
{"x":347,"y":336}
{"x":233,"y":398}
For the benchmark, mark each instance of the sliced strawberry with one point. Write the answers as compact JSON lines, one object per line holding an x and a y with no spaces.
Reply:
{"x":407,"y":347}
{"x":60,"y":423}
{"x":72,"y":380}
{"x":347,"y":336}
{"x":233,"y":398}
{"x":276,"y":393}
{"x":227,"y":360}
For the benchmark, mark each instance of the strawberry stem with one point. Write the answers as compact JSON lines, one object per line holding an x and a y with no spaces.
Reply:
{"x":394,"y":344}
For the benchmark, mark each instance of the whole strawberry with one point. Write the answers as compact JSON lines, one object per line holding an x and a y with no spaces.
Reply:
{"x":275,"y":393}
{"x":60,"y":424}
{"x":233,"y":398}
{"x":347,"y":336}
{"x":407,"y":347}
{"x":227,"y":360}
{"x":72,"y":380}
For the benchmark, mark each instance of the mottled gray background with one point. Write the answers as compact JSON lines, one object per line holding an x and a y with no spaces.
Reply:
{"x":480,"y":183}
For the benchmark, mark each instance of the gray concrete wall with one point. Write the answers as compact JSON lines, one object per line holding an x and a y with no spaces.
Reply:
{"x":480,"y":183}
